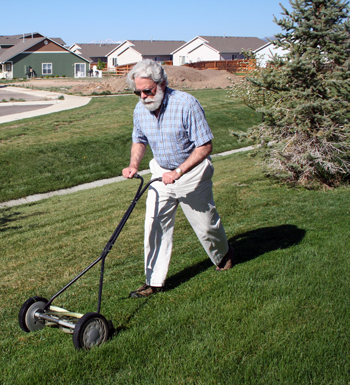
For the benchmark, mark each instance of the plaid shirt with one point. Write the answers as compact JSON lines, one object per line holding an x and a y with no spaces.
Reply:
{"x":180,"y":128}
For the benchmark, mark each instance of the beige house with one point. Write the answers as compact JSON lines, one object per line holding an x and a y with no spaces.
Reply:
{"x":214,"y":48}
{"x":132,"y":51}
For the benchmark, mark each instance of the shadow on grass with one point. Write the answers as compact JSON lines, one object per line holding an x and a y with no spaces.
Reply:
{"x":248,"y":246}
{"x":255,"y":243}
{"x":7,"y":217}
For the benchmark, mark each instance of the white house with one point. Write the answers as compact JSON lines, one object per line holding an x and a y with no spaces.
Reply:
{"x":266,"y":53}
{"x":132,"y":51}
{"x":214,"y":48}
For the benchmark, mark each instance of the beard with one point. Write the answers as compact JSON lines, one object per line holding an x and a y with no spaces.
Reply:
{"x":152,"y":104}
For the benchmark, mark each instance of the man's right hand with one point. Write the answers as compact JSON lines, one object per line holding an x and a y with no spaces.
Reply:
{"x":129,"y":172}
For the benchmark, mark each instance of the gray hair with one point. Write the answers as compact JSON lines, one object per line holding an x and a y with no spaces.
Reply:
{"x":147,"y":69}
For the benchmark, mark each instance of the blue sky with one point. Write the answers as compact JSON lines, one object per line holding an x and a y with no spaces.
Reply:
{"x":85,"y":21}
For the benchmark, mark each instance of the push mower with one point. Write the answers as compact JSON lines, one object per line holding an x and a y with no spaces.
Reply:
{"x":90,"y":329}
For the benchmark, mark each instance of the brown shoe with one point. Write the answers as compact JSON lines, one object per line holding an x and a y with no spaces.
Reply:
{"x":144,"y":291}
{"x":227,"y":262}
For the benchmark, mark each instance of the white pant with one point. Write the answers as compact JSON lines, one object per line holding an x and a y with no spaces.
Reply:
{"x":194,"y":193}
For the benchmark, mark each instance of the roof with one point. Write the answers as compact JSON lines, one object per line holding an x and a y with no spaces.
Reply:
{"x":226,"y":44}
{"x":155,"y":47}
{"x":233,"y":43}
{"x":16,"y":39}
{"x":58,"y":40}
{"x":262,"y":47}
{"x":9,"y":53}
{"x":22,"y":46}
{"x":93,"y":50}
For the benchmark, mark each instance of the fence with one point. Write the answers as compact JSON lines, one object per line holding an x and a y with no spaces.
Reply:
{"x":233,"y":66}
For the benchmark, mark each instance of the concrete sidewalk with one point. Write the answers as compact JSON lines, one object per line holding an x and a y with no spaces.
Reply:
{"x":51,"y":99}
{"x":99,"y":183}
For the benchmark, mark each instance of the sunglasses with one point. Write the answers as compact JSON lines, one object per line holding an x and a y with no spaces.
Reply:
{"x":146,"y":92}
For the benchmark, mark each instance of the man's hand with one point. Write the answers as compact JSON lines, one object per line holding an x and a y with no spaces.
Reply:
{"x":170,"y":177}
{"x":129,"y":172}
{"x":137,"y":152}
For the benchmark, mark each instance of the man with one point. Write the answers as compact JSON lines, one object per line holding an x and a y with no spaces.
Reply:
{"x":174,"y":125}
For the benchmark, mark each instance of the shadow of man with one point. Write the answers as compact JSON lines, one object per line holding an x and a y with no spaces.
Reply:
{"x":249,"y":245}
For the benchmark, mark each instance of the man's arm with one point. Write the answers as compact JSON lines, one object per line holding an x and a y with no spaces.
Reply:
{"x":197,"y":156}
{"x":137,"y":153}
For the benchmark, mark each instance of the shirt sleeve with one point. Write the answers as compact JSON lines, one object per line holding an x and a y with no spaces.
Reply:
{"x":197,"y":126}
{"x":137,"y":135}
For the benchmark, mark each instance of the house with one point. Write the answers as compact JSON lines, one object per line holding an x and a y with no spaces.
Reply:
{"x":214,"y":48}
{"x":266,"y":53}
{"x":93,"y":51}
{"x":34,"y":55}
{"x":132,"y":51}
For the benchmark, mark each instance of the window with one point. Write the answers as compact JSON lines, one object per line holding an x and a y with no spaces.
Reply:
{"x":47,"y":68}
{"x":115,"y":61}
{"x":8,"y":67}
{"x":80,"y":70}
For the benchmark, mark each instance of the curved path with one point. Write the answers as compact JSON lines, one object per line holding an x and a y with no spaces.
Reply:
{"x":35,"y":103}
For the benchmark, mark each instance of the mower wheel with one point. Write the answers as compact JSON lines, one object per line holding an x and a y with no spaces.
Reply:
{"x":26,"y":317}
{"x":92,"y":329}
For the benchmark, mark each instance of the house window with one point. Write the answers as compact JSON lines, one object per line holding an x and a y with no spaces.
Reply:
{"x":8,"y":67}
{"x":80,"y":70}
{"x":115,"y":61}
{"x":47,"y":68}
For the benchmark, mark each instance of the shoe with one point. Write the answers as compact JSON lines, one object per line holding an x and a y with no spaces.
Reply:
{"x":144,"y":291}
{"x":227,"y":262}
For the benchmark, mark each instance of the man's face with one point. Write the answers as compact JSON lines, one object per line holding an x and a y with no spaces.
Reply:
{"x":151,"y":94}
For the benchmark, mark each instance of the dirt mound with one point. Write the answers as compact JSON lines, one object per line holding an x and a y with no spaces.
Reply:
{"x":186,"y":77}
{"x":178,"y":78}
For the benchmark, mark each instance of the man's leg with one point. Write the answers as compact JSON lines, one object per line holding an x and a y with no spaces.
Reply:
{"x":159,"y":229}
{"x":196,"y":199}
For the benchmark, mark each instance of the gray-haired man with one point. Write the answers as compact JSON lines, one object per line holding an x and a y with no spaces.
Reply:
{"x":173,"y":124}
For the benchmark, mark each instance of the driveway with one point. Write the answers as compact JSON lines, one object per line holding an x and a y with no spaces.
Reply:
{"x":21,"y":103}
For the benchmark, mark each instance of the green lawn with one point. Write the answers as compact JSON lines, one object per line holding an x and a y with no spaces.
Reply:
{"x":77,"y":146}
{"x":280,"y":316}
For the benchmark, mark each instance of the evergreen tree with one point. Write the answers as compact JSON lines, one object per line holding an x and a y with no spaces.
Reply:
{"x":306,"y":95}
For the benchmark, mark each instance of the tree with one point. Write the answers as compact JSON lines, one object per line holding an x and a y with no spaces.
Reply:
{"x":305,"y":96}
{"x":100,"y":65}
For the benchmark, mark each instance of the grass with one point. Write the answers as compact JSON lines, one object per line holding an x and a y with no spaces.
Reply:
{"x":93,"y":142}
{"x":280,"y":316}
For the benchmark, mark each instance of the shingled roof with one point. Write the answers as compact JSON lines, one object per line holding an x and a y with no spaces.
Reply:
{"x":155,"y":47}
{"x":93,"y":50}
{"x":10,"y":40}
{"x":233,"y":43}
{"x":227,"y":44}
{"x":21,"y":46}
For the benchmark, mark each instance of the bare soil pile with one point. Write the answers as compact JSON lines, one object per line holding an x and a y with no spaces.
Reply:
{"x":178,"y":78}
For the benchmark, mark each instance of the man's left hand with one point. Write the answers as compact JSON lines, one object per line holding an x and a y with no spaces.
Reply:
{"x":170,"y":177}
